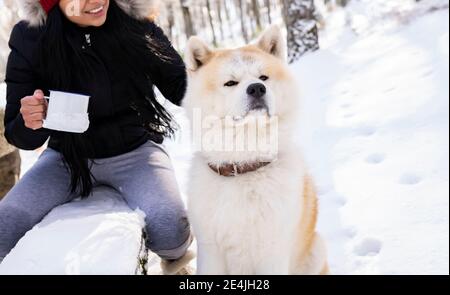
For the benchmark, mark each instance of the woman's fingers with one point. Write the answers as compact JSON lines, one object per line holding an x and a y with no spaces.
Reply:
{"x":30,"y":110}
{"x":39,"y":94}
{"x":34,"y":121}
{"x":34,"y":109}
{"x":36,"y":117}
{"x":32,"y":101}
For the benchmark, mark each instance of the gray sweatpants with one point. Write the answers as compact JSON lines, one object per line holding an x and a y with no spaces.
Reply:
{"x":144,"y":177}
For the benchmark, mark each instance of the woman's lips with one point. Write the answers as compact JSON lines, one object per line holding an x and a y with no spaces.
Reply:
{"x":96,"y":11}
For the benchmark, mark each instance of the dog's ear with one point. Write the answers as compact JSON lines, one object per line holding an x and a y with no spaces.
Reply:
{"x":197,"y":54}
{"x":273,"y":42}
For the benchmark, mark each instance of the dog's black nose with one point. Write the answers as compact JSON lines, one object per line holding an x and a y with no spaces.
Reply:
{"x":256,"y":90}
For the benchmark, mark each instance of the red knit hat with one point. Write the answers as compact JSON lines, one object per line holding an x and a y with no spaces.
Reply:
{"x":47,"y":5}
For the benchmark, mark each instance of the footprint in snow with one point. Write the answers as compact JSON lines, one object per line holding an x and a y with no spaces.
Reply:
{"x":410,"y":179}
{"x":428,"y":73}
{"x":350,"y":232}
{"x":345,"y":105}
{"x":368,"y":247}
{"x":390,"y":89}
{"x":366,"y":131}
{"x":376,"y":158}
{"x":341,"y":201}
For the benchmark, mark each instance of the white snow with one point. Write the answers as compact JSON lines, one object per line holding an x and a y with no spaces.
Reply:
{"x":375,"y":133}
{"x":99,"y":235}
{"x":375,"y":128}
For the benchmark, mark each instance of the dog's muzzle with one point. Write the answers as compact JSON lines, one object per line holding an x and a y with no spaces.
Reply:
{"x":257,"y":93}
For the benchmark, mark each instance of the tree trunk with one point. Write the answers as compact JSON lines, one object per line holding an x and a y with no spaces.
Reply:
{"x":301,"y":27}
{"x":9,"y":17}
{"x":211,"y":22}
{"x":249,"y":12}
{"x":256,"y":14}
{"x":188,"y":25}
{"x":219,"y":15}
{"x":202,"y":16}
{"x":342,"y":3}
{"x":242,"y":13}
{"x":170,"y":21}
{"x":283,"y":5}
{"x":269,"y":11}
{"x":228,"y":17}
{"x":9,"y":162}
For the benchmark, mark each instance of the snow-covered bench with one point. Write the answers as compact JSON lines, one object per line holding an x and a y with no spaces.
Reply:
{"x":98,"y":235}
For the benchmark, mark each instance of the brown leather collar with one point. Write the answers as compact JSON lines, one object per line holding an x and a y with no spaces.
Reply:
{"x":231,"y":170}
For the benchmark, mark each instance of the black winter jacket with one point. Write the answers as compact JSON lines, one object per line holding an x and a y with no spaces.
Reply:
{"x":115,"y":128}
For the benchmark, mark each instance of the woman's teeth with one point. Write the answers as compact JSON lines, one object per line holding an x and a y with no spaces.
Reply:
{"x":97,"y":10}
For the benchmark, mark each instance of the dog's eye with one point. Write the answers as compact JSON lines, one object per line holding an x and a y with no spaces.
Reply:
{"x":263,"y":78}
{"x":231,"y":83}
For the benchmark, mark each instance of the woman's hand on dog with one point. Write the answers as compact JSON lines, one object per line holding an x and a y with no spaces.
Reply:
{"x":34,"y":110}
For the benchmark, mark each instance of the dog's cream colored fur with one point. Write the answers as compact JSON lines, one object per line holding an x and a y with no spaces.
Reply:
{"x":262,"y":222}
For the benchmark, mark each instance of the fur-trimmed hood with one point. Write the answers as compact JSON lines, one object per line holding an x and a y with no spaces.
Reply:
{"x":36,"y":16}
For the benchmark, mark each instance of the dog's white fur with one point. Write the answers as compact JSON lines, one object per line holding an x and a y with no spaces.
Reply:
{"x":261,"y":222}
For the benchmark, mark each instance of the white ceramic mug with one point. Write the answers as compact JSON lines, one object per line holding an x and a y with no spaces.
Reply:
{"x":67,"y":112}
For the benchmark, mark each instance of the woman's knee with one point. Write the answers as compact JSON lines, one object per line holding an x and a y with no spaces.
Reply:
{"x":169,"y":236}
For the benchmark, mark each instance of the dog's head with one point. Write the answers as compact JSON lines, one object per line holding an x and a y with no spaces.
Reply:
{"x":234,"y":85}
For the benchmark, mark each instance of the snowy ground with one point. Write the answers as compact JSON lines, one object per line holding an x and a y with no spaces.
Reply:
{"x":376,"y":138}
{"x":375,"y":130}
{"x":83,"y":237}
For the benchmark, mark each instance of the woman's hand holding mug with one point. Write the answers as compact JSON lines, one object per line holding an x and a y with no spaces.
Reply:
{"x":34,"y":110}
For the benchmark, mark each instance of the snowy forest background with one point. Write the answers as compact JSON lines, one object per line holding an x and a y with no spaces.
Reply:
{"x":231,"y":22}
{"x":221,"y":22}
{"x":374,"y":77}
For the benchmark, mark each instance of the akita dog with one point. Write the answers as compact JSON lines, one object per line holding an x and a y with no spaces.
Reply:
{"x":251,"y":203}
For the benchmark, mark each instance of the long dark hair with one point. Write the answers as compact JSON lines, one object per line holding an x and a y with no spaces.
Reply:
{"x":125,"y":37}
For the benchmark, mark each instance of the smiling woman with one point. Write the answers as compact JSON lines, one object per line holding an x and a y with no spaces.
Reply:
{"x":85,"y":13}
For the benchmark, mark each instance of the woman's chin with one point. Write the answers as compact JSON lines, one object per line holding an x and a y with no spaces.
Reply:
{"x":98,"y":23}
{"x":94,"y":23}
